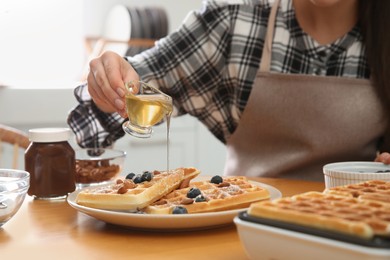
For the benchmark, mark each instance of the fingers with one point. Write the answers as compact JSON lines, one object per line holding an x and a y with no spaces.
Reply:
{"x":383,"y":157}
{"x":106,"y":82}
{"x":98,"y":96}
{"x":105,"y":78}
{"x":132,"y":87}
{"x":129,"y":73}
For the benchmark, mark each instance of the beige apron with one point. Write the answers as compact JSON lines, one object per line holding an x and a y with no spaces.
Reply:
{"x":294,"y":124}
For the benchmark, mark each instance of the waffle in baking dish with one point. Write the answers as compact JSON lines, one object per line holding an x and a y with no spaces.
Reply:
{"x":372,"y":190}
{"x":137,"y":192}
{"x":348,"y":215}
{"x":215,"y":194}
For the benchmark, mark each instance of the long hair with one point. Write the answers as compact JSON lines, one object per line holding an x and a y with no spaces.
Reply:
{"x":374,"y":22}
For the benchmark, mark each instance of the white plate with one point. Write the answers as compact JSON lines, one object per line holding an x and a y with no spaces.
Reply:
{"x":117,"y":27}
{"x":166,"y":222}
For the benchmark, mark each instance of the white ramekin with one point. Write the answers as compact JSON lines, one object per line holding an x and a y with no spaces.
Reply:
{"x":344,"y":173}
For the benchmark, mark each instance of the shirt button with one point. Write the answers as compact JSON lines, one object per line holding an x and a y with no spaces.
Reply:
{"x":322,"y":54}
{"x":316,"y":71}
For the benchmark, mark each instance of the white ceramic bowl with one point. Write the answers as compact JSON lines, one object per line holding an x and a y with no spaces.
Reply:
{"x":344,"y":173}
{"x":13,"y":188}
{"x":98,"y":166}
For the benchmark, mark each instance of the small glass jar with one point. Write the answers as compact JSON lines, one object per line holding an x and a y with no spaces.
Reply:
{"x":50,"y":160}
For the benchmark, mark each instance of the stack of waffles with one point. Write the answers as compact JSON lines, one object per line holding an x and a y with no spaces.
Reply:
{"x":173,"y":192}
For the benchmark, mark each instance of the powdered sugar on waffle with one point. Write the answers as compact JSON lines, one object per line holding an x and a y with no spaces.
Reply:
{"x":233,"y":192}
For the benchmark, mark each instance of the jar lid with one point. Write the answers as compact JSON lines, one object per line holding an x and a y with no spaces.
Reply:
{"x":47,"y":135}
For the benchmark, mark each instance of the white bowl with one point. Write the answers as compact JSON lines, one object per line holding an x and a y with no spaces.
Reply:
{"x":344,"y":173}
{"x":98,"y":166}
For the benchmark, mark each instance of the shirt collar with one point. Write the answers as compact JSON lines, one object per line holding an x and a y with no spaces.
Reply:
{"x":307,"y":44}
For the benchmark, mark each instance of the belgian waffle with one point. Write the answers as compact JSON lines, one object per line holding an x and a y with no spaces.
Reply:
{"x":128,"y":195}
{"x":232,"y":193}
{"x":363,"y":218}
{"x":372,"y":190}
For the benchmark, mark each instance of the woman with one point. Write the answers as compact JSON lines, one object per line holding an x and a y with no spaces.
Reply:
{"x":286,"y":88}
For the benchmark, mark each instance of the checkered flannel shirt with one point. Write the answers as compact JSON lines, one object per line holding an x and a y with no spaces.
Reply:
{"x":209,"y":64}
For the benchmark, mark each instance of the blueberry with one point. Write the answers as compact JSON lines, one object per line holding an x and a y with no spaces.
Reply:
{"x":130,"y":175}
{"x":216,"y":179}
{"x":179,"y":210}
{"x":193,"y":193}
{"x":137,"y":179}
{"x":147,"y":176}
{"x":200,"y":198}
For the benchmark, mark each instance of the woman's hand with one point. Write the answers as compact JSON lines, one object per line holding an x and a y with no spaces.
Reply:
{"x":106,"y":82}
{"x":383,"y":157}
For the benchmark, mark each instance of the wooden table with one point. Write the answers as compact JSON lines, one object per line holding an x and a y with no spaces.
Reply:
{"x":54,"y":230}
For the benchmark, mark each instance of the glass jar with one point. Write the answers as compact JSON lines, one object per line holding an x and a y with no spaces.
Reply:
{"x":50,"y":160}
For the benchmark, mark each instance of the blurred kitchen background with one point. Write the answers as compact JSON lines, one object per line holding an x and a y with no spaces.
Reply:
{"x":45,"y":46}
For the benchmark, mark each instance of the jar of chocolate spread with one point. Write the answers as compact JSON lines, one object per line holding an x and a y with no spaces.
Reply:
{"x":50,"y":160}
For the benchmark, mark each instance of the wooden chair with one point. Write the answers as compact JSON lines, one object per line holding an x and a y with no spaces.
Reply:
{"x":15,"y":138}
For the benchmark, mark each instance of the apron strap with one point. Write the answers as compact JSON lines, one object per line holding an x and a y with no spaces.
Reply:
{"x":266,"y":56}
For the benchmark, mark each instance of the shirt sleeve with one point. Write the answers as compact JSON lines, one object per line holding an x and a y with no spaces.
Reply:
{"x":188,"y":63}
{"x":91,"y":126}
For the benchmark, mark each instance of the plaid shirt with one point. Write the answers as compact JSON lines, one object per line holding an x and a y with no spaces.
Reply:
{"x":209,"y":64}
